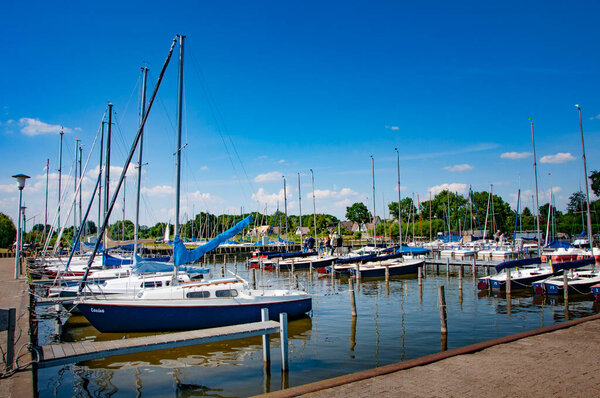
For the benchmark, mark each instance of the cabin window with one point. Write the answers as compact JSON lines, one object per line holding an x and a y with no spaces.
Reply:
{"x":201,"y":294}
{"x":152,"y":284}
{"x":226,"y":293}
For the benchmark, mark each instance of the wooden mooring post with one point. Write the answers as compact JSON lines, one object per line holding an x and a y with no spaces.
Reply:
{"x":352,"y":297}
{"x":447,"y":266}
{"x":419,"y":275}
{"x":474,"y":265}
{"x":565,"y":286}
{"x":508,"y":287}
{"x":310,"y":270}
{"x":254,"y":278}
{"x":442,"y":305}
{"x":387,"y":274}
{"x":235,"y":264}
{"x":460,"y":278}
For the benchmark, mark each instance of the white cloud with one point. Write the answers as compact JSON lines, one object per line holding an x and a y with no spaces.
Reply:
{"x":595,"y":117}
{"x":268,"y":177}
{"x":158,"y":190}
{"x":281,"y":161}
{"x":204,"y":168}
{"x":329,"y":194}
{"x":515,"y":155}
{"x":459,"y":167}
{"x":560,"y":157}
{"x":30,"y":126}
{"x":8,"y":188}
{"x":454,"y":187}
{"x":270,"y":199}
{"x":394,"y":128}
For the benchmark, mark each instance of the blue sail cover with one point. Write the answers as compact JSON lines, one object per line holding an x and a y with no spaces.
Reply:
{"x":146,"y":267}
{"x":110,"y":261}
{"x":573,"y":264}
{"x":518,"y":263}
{"x":581,"y":235}
{"x":555,"y":244}
{"x":182,"y":256}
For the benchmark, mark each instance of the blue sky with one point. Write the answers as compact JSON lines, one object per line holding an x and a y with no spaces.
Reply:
{"x":275,"y":88}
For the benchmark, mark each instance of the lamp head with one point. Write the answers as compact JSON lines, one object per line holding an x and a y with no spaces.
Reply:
{"x":21,"y":180}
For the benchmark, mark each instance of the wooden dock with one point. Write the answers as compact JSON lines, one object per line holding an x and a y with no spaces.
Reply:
{"x":59,"y":354}
{"x":14,"y":293}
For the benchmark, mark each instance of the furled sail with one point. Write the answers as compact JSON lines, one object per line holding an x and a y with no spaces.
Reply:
{"x":182,"y":256}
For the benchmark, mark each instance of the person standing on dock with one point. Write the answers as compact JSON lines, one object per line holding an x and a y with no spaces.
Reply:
{"x":311,"y":244}
{"x":327,"y":245}
{"x":339,"y":244}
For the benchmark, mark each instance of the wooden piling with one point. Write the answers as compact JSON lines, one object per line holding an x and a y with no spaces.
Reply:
{"x":474,"y":265}
{"x":447,"y":266}
{"x":358,"y":271}
{"x":387,"y":273}
{"x":283,"y":336}
{"x":235,"y":264}
{"x":566,"y":286}
{"x":508,"y":287}
{"x":352,"y":297}
{"x":460,"y":278}
{"x":419,"y":275}
{"x":254,"y":278}
{"x":264,"y":315}
{"x":442,"y":305}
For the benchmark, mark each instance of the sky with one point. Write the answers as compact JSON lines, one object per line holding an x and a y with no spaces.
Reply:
{"x":274,"y":89}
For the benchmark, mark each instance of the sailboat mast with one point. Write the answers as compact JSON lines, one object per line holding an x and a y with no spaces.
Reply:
{"x":80,"y":200}
{"x":312,"y":174}
{"x":60,"y":172}
{"x":373,"y":179}
{"x":75,"y":185}
{"x":287,"y":236}
{"x":139,"y":170}
{"x":587,"y":190}
{"x":100,"y":185}
{"x":399,"y":199}
{"x":179,"y":122}
{"x":537,"y":203}
{"x":46,"y":205}
{"x":107,"y":169}
{"x":300,"y":208}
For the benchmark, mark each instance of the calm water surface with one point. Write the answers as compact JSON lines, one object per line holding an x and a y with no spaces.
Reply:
{"x":395,"y":322}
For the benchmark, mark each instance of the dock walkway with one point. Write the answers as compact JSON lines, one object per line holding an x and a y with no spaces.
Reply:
{"x":15,"y":293}
{"x":58,"y":354}
{"x":560,"y":360}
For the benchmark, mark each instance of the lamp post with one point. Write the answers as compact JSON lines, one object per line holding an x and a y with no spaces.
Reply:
{"x":20,"y":184}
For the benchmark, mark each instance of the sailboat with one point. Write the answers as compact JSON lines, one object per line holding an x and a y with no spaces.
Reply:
{"x":194,"y":305}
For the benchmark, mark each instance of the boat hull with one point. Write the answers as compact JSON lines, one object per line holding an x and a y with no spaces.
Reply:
{"x":394,"y":270}
{"x":140,"y":317}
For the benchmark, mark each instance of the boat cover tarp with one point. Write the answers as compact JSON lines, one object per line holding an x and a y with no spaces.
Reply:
{"x":556,"y":244}
{"x":413,"y":250}
{"x":451,"y":238}
{"x":289,"y":242}
{"x":355,"y":259}
{"x":110,"y":261}
{"x":182,"y":256}
{"x":147,"y":266}
{"x":518,"y":263}
{"x":581,"y":235}
{"x":573,"y":264}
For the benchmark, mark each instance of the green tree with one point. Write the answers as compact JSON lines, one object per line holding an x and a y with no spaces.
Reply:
{"x":358,"y":212}
{"x":576,"y":203}
{"x":408,"y":208}
{"x":8,"y":232}
{"x":595,"y":178}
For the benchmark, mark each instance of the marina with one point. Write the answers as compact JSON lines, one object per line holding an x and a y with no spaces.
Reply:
{"x":274,"y":199}
{"x":396,"y":321}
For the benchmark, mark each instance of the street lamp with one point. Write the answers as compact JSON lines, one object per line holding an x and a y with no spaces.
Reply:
{"x":20,"y":184}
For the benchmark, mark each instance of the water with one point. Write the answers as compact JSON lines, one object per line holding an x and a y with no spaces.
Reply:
{"x":396,"y":321}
